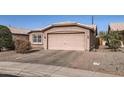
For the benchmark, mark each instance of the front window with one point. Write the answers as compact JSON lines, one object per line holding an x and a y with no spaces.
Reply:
{"x":36,"y":38}
{"x":39,"y":38}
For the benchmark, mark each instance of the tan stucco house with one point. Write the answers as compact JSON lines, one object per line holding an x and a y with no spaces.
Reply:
{"x":19,"y":33}
{"x":65,"y":36}
{"x":117,"y":27}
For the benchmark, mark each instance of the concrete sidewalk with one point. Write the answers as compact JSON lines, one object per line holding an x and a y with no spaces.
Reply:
{"x":40,"y":70}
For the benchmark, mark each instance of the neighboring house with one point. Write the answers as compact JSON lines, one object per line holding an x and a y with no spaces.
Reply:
{"x":65,"y":36}
{"x":117,"y":27}
{"x":18,"y":33}
{"x":102,"y":42}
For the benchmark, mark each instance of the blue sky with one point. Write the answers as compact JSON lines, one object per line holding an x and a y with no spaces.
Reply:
{"x":39,"y":21}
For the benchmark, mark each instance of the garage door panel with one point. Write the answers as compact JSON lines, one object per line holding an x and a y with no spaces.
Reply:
{"x":66,"y":41}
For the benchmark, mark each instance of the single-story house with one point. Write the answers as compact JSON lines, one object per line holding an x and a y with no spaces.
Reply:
{"x":19,"y":33}
{"x":65,"y":36}
{"x":117,"y":27}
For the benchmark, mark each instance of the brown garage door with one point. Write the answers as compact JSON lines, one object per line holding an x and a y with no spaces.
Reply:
{"x":66,"y":41}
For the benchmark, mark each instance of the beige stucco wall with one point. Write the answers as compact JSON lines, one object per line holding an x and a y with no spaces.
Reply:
{"x":36,"y":44}
{"x":70,"y":29}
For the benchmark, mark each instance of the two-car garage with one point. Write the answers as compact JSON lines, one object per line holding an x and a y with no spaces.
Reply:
{"x":66,"y":41}
{"x":69,"y":36}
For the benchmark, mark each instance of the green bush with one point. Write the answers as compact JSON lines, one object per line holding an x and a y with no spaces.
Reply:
{"x":113,"y":40}
{"x":5,"y":38}
{"x":22,"y":46}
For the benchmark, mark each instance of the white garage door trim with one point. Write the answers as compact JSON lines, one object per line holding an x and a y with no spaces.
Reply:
{"x":71,"y":41}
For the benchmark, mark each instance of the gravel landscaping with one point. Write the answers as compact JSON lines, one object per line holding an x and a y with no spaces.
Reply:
{"x":106,"y":62}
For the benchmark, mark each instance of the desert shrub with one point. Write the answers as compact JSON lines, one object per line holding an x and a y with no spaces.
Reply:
{"x":5,"y":38}
{"x":22,"y":46}
{"x":113,"y":40}
{"x":121,"y":33}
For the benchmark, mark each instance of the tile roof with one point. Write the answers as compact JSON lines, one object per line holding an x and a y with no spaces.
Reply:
{"x":15,"y":30}
{"x":116,"y":26}
{"x":92,"y":27}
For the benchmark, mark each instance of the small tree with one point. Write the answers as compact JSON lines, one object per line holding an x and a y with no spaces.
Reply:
{"x":5,"y":38}
{"x":102,"y":34}
{"x":121,"y":34}
{"x":113,"y":40}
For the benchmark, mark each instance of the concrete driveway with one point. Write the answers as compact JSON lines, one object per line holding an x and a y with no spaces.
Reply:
{"x":11,"y":69}
{"x":105,"y":62}
{"x":48,"y":57}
